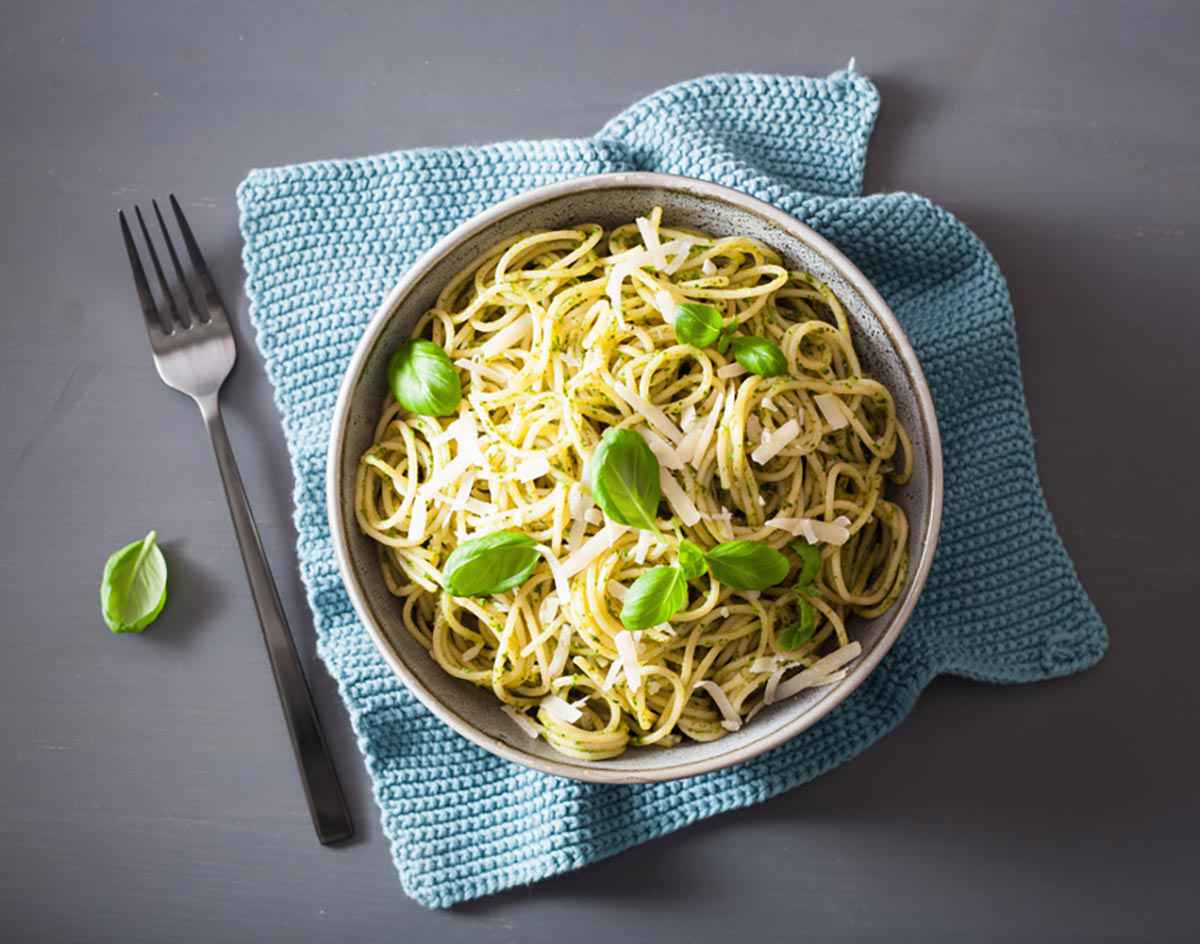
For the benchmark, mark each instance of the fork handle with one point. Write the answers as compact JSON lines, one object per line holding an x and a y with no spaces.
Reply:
{"x":326,"y":803}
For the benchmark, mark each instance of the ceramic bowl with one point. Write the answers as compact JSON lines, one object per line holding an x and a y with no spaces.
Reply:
{"x":610,"y":200}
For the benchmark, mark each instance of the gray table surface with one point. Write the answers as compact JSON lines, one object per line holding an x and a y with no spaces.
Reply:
{"x":147,"y":788}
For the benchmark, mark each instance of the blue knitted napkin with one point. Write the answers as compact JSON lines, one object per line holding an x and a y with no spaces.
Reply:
{"x":326,"y":241}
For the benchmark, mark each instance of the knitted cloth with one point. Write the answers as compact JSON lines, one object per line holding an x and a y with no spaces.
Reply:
{"x":326,"y":241}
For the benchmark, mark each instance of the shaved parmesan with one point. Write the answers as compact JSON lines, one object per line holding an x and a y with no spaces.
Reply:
{"x":466,"y":437}
{"x":594,"y":516}
{"x":653,"y":415}
{"x":707,"y":430}
{"x":814,"y":530}
{"x":820,"y":670}
{"x":579,"y":504}
{"x":560,"y":710}
{"x":628,"y":654}
{"x":562,"y":583}
{"x":532,"y":468}
{"x":654,"y":250}
{"x":642,"y":548}
{"x":708,"y":268}
{"x":549,"y":609}
{"x":682,"y":248}
{"x":664,"y":301}
{"x":733,"y":369}
{"x":471,"y":653}
{"x":620,"y":272}
{"x":678,"y":499}
{"x":522,"y":720}
{"x":774,"y":443}
{"x":832,"y":409}
{"x":688,"y":418}
{"x":731,"y":720}
{"x":663,"y":451}
{"x":614,"y":672}
{"x":508,"y":336}
{"x":417,"y":520}
{"x":592,"y":548}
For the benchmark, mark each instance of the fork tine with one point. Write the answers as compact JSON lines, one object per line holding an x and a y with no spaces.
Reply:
{"x":216,"y":310}
{"x":168,"y":295}
{"x":149,"y":309}
{"x":193,"y":309}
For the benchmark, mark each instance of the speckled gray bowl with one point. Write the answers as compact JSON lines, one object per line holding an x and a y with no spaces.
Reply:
{"x":612,"y":199}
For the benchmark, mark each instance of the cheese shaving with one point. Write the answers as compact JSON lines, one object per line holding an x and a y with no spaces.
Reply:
{"x":775,"y":442}
{"x":663,"y":451}
{"x":560,"y":710}
{"x":508,"y":336}
{"x":653,"y":415}
{"x":654,"y":250}
{"x":832,"y":409}
{"x":733,"y":369}
{"x":592,"y":548}
{"x":628,"y":654}
{"x":521,"y":720}
{"x":732,"y":721}
{"x":678,"y":499}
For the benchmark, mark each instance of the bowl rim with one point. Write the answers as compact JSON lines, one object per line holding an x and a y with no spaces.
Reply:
{"x":596,"y":772}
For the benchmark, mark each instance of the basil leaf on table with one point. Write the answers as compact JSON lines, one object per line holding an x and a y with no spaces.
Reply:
{"x":691,"y":560}
{"x":623,"y":477}
{"x":491,"y":564}
{"x":696,"y":324}
{"x":810,"y":562}
{"x":759,"y":356}
{"x":423,"y":380}
{"x":133,"y":590}
{"x":654,"y":598}
{"x":801,"y":631}
{"x":747,"y":565}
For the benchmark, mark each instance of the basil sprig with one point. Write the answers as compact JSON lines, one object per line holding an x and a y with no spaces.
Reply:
{"x":654,"y":597}
{"x":759,"y":356}
{"x":491,"y":564}
{"x":801,"y":630}
{"x":423,"y":380}
{"x":810,"y":562}
{"x":691,"y":560}
{"x":623,"y":477}
{"x":133,"y":590}
{"x":747,"y":565}
{"x":697,"y":324}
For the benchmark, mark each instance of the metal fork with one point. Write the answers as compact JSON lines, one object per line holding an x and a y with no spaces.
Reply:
{"x":194,"y":352}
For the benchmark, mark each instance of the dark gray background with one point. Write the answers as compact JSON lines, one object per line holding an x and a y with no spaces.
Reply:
{"x":147,"y":785}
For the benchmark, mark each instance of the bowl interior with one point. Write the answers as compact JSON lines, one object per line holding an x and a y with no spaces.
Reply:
{"x":612,"y":202}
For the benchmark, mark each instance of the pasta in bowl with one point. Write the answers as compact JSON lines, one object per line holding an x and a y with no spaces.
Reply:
{"x":635,"y":484}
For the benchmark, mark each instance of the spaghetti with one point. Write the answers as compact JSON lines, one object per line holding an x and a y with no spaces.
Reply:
{"x":558,"y":336}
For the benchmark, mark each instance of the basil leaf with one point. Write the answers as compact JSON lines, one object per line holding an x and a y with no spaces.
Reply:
{"x":423,"y":380}
{"x":696,"y":324}
{"x":133,"y":589}
{"x":491,"y":564}
{"x":810,"y":562}
{"x":654,"y":598}
{"x":725,"y":337}
{"x":801,"y":630}
{"x":747,"y":565}
{"x":691,"y":560}
{"x":759,"y":356}
{"x":624,"y":481}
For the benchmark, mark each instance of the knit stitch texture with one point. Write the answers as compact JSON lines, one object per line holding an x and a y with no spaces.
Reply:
{"x":324,"y":242}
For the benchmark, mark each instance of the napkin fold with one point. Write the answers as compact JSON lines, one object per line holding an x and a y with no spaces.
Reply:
{"x":325,"y":241}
